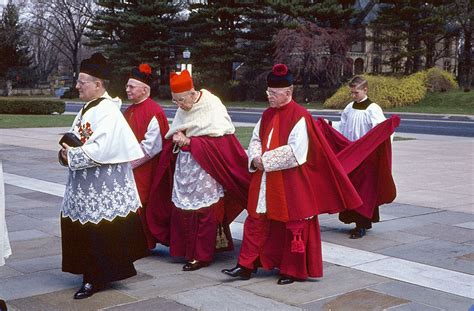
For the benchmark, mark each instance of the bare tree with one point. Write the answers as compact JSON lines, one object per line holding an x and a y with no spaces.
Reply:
{"x":44,"y":54}
{"x":62,"y":23}
{"x":464,"y":17}
{"x":310,"y":50}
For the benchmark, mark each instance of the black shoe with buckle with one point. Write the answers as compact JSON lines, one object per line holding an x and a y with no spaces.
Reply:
{"x":195,"y":265}
{"x":87,"y":290}
{"x":285,"y":280}
{"x":357,"y":233}
{"x":238,"y":271}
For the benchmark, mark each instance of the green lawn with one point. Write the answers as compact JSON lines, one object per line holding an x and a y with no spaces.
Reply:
{"x":19,"y":120}
{"x":454,"y":102}
{"x":244,"y":134}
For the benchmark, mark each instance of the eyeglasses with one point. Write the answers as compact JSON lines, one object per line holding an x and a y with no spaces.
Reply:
{"x":131,"y":87}
{"x":81,"y":83}
{"x":273,"y":93}
{"x":179,"y":100}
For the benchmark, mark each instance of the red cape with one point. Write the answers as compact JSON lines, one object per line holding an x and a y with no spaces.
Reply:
{"x":367,"y":161}
{"x":221,"y":157}
{"x":319,"y":186}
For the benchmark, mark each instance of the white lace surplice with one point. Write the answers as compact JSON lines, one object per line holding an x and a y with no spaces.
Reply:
{"x":193,"y":187}
{"x":95,"y":192}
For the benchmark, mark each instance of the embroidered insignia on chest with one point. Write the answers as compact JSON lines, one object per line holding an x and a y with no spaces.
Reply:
{"x":85,"y":131}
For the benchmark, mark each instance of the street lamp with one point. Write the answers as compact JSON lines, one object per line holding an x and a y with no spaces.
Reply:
{"x":186,"y":57}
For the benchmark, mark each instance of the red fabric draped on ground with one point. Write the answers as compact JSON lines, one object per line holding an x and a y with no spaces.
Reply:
{"x":367,"y":161}
{"x":226,"y":161}
{"x":221,"y":157}
{"x":158,"y":212}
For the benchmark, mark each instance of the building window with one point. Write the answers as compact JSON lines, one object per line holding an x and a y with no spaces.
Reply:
{"x":377,"y":47}
{"x":358,"y":46}
{"x":447,"y":65}
{"x":358,"y":66}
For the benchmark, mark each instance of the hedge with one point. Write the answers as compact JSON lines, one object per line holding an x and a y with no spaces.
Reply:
{"x":30,"y":106}
{"x":438,"y":80}
{"x":387,"y":92}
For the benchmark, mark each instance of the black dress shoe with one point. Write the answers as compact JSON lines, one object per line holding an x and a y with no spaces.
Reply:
{"x":195,"y":265}
{"x":87,"y":290}
{"x":3,"y":305}
{"x":357,"y":233}
{"x":238,"y":271}
{"x":285,"y":280}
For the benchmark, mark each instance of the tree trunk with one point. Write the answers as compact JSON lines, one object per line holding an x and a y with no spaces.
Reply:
{"x":430,"y":48}
{"x":75,"y":67}
{"x":467,"y":60}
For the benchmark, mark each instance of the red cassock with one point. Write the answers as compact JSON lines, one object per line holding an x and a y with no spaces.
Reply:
{"x":288,"y":235}
{"x":138,"y":117}
{"x":329,"y":182}
{"x":221,"y":157}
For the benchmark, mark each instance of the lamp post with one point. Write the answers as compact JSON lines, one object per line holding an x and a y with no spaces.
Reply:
{"x":186,"y":57}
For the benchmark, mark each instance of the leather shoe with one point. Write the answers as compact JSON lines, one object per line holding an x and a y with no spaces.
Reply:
{"x":195,"y":265}
{"x":238,"y":271}
{"x":285,"y":280}
{"x":357,"y":233}
{"x":87,"y":290}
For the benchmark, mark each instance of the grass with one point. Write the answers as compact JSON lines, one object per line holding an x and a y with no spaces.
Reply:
{"x":454,"y":102}
{"x":244,"y":134}
{"x":20,"y":120}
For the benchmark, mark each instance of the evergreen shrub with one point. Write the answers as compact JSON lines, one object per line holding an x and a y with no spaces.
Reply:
{"x":387,"y":92}
{"x":228,"y":91}
{"x":438,"y":80}
{"x":71,"y":94}
{"x":164,"y":92}
{"x":30,"y":106}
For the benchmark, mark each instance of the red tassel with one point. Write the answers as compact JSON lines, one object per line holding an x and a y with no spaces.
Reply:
{"x":297,"y":245}
{"x":296,"y":228}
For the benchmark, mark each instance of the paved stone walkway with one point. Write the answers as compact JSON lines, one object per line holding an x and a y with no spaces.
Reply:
{"x":419,"y":257}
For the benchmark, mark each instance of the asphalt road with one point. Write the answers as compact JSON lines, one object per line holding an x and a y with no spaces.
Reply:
{"x":410,"y":123}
